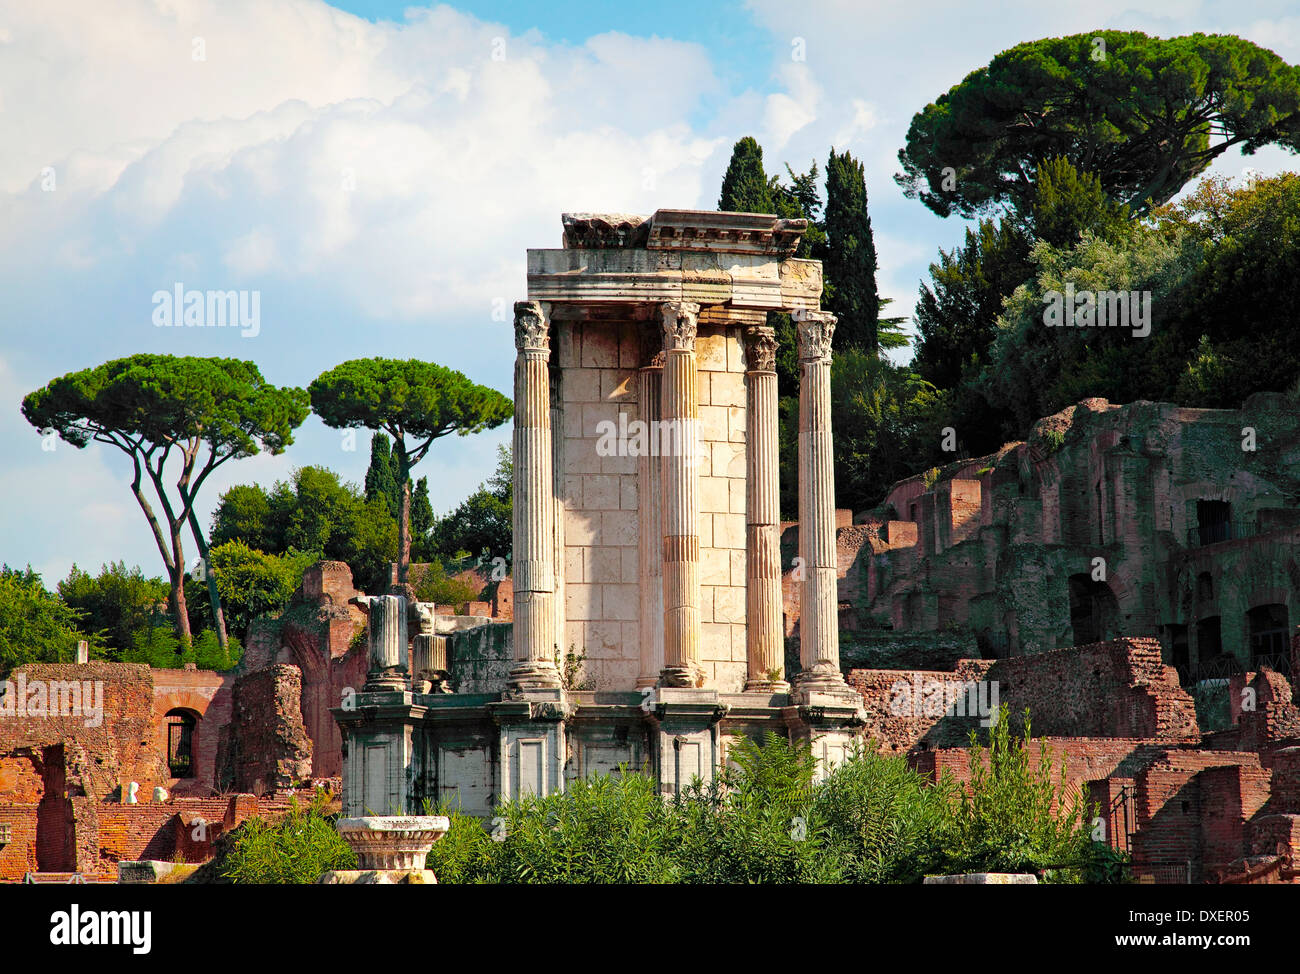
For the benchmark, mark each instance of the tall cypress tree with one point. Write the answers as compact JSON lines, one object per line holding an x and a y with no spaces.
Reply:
{"x":745,"y":188}
{"x":851,"y":258}
{"x":381,"y":476}
{"x":422,"y":520}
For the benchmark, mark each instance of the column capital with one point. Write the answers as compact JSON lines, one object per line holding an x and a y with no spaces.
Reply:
{"x":815,"y":331}
{"x":760,"y":348}
{"x":532,"y":327}
{"x":679,"y":320}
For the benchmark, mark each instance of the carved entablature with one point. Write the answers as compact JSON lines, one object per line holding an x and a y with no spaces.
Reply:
{"x":760,"y":348}
{"x":679,"y":320}
{"x":816,"y":328}
{"x":604,"y":231}
{"x":532,"y":329}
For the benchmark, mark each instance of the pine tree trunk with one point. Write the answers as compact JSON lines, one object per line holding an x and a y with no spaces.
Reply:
{"x":179,"y":607}
{"x":214,"y":597}
{"x":404,"y":533}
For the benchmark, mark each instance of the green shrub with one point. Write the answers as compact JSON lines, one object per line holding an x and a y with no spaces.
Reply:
{"x":466,"y":854}
{"x":603,"y":829}
{"x":161,"y":648}
{"x":1017,"y":817}
{"x":299,"y":848}
{"x":755,"y":822}
{"x":433,"y":584}
{"x":887,"y":823}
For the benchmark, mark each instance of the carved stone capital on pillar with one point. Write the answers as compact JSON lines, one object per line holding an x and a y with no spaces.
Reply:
{"x":815,"y":329}
{"x":680,"y":320}
{"x":760,"y":348}
{"x":532,"y":327}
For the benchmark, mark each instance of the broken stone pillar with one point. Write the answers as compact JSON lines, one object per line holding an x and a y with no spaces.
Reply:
{"x":649,"y":489}
{"x":83,"y":651}
{"x":819,"y":639}
{"x":428,"y":652}
{"x":765,"y":647}
{"x":536,"y":639}
{"x":387,"y":634}
{"x":681,"y":533}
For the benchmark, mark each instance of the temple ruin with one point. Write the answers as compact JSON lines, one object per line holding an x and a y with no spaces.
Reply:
{"x":1128,"y":574}
{"x":646,"y":527}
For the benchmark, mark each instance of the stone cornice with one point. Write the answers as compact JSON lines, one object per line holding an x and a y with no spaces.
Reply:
{"x":631,"y":277}
{"x":708,"y":231}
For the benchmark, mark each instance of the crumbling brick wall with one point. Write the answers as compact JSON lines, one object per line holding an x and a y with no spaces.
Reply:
{"x":266,"y":747}
{"x":1118,"y":688}
{"x":1115,"y":689}
{"x":96,"y":757}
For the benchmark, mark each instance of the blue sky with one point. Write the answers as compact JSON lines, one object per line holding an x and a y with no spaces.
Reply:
{"x":375,"y":172}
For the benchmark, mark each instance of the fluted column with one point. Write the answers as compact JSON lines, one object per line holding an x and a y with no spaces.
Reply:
{"x":534,"y":507}
{"x":649,"y":491}
{"x":386,"y":632}
{"x":681,"y":533}
{"x":819,"y":640}
{"x":765,"y":648}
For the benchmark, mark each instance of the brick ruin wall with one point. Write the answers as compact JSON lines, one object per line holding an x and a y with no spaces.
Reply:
{"x":1120,"y":688}
{"x":61,"y":781}
{"x":265,"y":747}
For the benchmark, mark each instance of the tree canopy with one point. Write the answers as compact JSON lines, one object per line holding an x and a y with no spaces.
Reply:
{"x":1144,"y":114}
{"x":415,"y":403}
{"x":313,"y":511}
{"x":197,"y":412}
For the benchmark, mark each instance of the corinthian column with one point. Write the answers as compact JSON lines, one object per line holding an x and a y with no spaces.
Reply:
{"x":681,"y":532}
{"x":534,"y":505}
{"x":765,"y":647}
{"x":649,"y":491}
{"x":819,"y":640}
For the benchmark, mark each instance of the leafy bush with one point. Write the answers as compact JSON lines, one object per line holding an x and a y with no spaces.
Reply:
{"x":433,"y":584}
{"x":252,"y":583}
{"x":1017,"y":817}
{"x":754,"y":822}
{"x":466,"y":854}
{"x":603,"y":829}
{"x":161,"y":648}
{"x":298,"y":848}
{"x":887,"y":823}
